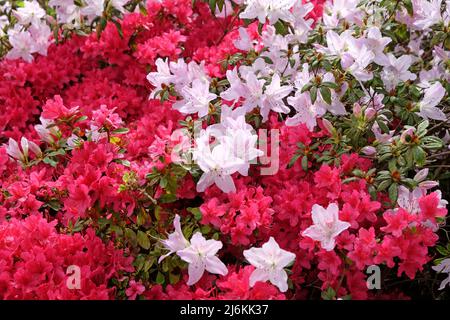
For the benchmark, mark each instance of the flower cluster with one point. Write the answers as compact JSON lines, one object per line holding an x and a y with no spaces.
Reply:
{"x":35,"y":258}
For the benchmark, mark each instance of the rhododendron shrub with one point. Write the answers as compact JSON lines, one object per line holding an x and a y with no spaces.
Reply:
{"x":255,"y":149}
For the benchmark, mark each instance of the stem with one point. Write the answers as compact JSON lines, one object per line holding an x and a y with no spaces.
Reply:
{"x":437,"y":155}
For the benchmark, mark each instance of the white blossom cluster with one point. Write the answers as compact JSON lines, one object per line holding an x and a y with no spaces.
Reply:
{"x":32,"y":28}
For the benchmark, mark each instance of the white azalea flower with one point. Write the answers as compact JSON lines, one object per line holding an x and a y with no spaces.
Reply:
{"x":397,"y":71}
{"x":40,"y":32}
{"x":237,"y":88}
{"x":244,"y":42}
{"x":67,"y":12}
{"x":196,"y":98}
{"x":274,"y":10}
{"x":92,"y":9}
{"x":175,"y":241}
{"x":270,"y":261}
{"x":160,"y":77}
{"x":326,"y":225}
{"x":342,"y":9}
{"x":45,"y":133}
{"x":443,"y":267}
{"x":273,"y":97}
{"x":358,"y":68}
{"x":217,"y":165}
{"x":306,"y":111}
{"x":22,"y":45}
{"x":409,"y":200}
{"x":426,"y":13}
{"x":240,"y":138}
{"x":201,"y":256}
{"x":433,"y":96}
{"x":31,"y":12}
{"x":301,"y":27}
{"x":254,"y":91}
{"x":376,"y":43}
{"x":21,"y":154}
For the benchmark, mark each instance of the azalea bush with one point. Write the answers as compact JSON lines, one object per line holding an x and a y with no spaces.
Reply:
{"x":221,"y":149}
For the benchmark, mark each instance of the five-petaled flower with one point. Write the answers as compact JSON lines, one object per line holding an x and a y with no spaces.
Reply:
{"x":327,"y":225}
{"x":201,"y":256}
{"x":270,"y":261}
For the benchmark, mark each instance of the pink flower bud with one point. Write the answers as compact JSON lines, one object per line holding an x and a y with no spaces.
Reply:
{"x":421,"y":175}
{"x":369,"y":150}
{"x":327,"y":124}
{"x":357,"y":109}
{"x":370,"y":113}
{"x":428,"y":184}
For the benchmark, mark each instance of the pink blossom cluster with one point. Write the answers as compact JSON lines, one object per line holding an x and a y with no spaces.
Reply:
{"x":34,"y":259}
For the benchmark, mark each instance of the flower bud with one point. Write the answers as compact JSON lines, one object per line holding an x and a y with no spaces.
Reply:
{"x":369,"y":113}
{"x":428,"y":184}
{"x":357,"y":109}
{"x":421,"y":175}
{"x":327,"y":124}
{"x":369,"y":150}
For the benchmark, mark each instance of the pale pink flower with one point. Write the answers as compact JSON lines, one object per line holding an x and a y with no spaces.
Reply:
{"x":326,"y":225}
{"x":175,"y":241}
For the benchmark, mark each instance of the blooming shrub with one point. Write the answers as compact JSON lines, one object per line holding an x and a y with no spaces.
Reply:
{"x":224,"y":149}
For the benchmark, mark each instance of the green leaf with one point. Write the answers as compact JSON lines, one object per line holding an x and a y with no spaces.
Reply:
{"x":82,"y":118}
{"x":143,"y":240}
{"x":267,"y":60}
{"x":306,"y":87}
{"x":196,"y":213}
{"x":330,"y":85}
{"x":174,"y":278}
{"x":131,"y":236}
{"x":447,"y":43}
{"x":422,"y":128}
{"x":57,"y":153}
{"x":305,"y":163}
{"x":118,"y":27}
{"x":141,"y":218}
{"x":393,"y":192}
{"x":117,"y":230}
{"x":101,"y":26}
{"x":293,"y":160}
{"x":410,"y":183}
{"x":325,"y":92}
{"x":212,"y":6}
{"x":419,"y":156}
{"x":54,"y":204}
{"x":50,"y":161}
{"x":328,"y":294}
{"x":167,"y":198}
{"x":392,"y":165}
{"x":260,"y":27}
{"x":160,"y":279}
{"x":384,"y":128}
{"x":120,"y":131}
{"x":384,"y":184}
{"x":280,"y":28}
{"x":443,"y":251}
{"x":220,"y":4}
{"x":313,"y":93}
